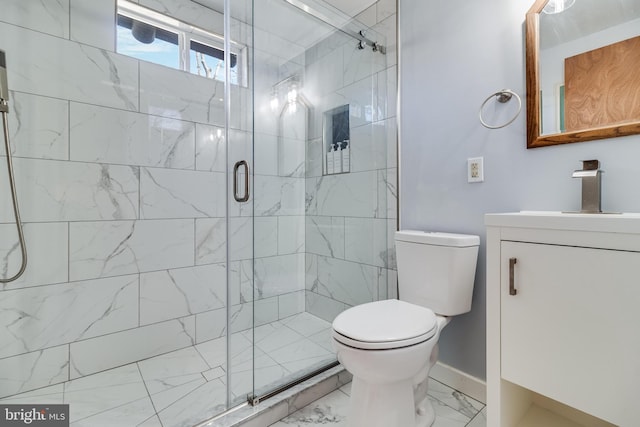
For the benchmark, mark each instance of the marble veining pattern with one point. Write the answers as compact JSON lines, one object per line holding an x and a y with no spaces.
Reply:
{"x":178,"y":387}
{"x":455,"y":410}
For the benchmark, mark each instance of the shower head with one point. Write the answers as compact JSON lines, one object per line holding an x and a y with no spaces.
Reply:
{"x":4,"y":87}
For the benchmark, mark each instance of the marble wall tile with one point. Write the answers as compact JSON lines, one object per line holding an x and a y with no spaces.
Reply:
{"x":352,"y":194}
{"x":266,"y":311}
{"x":241,"y":241}
{"x":392,"y":286}
{"x":93,"y":23}
{"x":279,"y":275}
{"x":314,"y":158}
{"x":210,"y":148}
{"x":50,"y":190}
{"x":38,"y":126}
{"x":291,"y":234}
{"x":108,"y":135}
{"x":190,"y":12}
{"x":171,"y":294}
{"x":291,"y":156}
{"x":267,"y":233}
{"x":387,"y":28}
{"x":368,"y":16}
{"x":325,"y":235}
{"x":34,"y":370}
{"x":363,"y":104}
{"x":47,"y":252}
{"x":386,"y":8}
{"x":51,"y":17}
{"x":369,"y":147}
{"x":186,"y":97}
{"x":96,"y":354}
{"x":278,"y":196}
{"x":129,"y":247}
{"x":211,"y":240}
{"x":241,"y":317}
{"x":326,"y":75}
{"x":69,"y":70}
{"x":311,"y":271}
{"x":388,"y":193}
{"x":266,"y":154}
{"x":366,"y":241}
{"x":291,"y":303}
{"x":323,"y":307}
{"x":211,"y":324}
{"x":46,"y":316}
{"x":359,"y":64}
{"x":387,"y":103}
{"x":166,"y":193}
{"x":347,"y":282}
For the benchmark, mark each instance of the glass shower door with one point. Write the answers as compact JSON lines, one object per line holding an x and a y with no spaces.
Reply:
{"x":320,"y":213}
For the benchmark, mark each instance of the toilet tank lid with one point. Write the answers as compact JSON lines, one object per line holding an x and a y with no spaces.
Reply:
{"x":437,"y":238}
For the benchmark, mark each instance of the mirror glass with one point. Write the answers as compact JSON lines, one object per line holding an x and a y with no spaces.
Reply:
{"x":586,"y":84}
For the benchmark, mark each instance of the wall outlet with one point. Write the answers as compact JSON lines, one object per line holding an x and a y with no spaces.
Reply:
{"x":475,"y":169}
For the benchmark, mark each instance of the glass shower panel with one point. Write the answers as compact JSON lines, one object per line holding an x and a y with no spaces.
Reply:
{"x":241,"y":199}
{"x":320,"y":233}
{"x":120,"y":168}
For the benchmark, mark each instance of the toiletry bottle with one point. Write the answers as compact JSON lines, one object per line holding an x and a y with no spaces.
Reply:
{"x":330,"y":168}
{"x":344,"y":154}
{"x":337,"y":160}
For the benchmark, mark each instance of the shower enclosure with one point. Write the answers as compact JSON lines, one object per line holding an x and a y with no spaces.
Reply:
{"x":204,"y":185}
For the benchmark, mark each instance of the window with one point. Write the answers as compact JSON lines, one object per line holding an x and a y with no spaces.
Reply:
{"x":151,"y":36}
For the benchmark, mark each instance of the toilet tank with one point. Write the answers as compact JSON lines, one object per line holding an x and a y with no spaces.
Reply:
{"x":437,"y":270}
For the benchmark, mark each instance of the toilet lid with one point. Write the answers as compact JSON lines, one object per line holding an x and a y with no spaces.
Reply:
{"x":384,"y":324}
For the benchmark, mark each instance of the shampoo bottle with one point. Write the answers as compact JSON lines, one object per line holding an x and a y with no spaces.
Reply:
{"x":344,"y":154}
{"x":330,"y":168}
{"x":337,"y":160}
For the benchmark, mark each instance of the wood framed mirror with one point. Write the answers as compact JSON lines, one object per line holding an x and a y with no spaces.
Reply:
{"x":582,"y":70}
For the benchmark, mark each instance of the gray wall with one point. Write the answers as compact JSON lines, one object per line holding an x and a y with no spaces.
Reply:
{"x":455,"y":54}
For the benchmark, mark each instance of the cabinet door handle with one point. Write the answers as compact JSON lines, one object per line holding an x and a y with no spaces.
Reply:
{"x":512,"y":284}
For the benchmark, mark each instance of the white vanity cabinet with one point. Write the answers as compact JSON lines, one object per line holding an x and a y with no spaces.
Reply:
{"x":563,"y":319}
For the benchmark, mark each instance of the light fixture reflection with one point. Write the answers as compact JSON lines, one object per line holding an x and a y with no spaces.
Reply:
{"x":274,"y":102}
{"x":557,"y":6}
{"x":292,"y":95}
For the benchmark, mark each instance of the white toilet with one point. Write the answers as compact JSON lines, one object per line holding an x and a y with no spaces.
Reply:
{"x":389,"y":346}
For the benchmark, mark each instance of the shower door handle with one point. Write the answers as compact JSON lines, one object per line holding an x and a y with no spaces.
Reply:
{"x":236,"y":167}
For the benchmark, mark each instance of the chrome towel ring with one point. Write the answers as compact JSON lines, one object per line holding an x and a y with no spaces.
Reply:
{"x":502,"y":97}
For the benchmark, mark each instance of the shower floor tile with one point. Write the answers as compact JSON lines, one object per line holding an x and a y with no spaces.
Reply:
{"x":187,"y":386}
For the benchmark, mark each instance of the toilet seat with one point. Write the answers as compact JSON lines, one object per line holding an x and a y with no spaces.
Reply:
{"x":384,"y":325}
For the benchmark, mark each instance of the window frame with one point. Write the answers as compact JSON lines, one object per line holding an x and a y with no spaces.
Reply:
{"x":186,"y":33}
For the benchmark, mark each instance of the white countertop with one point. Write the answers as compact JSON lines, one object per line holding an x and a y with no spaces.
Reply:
{"x":603,"y":222}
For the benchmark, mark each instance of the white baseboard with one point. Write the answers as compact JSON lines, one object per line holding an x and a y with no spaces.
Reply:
{"x":463,"y":382}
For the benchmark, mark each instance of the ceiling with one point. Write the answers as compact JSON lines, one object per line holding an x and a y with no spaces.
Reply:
{"x":585,"y":17}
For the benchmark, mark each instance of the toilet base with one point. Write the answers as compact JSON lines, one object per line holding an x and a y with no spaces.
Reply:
{"x":381,"y":405}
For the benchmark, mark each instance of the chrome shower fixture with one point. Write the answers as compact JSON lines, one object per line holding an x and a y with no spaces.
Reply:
{"x":364,"y":42}
{"x":4,"y":110}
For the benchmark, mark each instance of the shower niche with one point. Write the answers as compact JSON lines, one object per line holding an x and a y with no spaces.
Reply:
{"x":336,"y":140}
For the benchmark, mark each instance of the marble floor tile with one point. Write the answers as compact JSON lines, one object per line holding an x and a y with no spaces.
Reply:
{"x":332,"y":410}
{"x":184,"y":387}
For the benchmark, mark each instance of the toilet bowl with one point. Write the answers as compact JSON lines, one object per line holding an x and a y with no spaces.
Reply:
{"x":390,"y":346}
{"x":389,"y":351}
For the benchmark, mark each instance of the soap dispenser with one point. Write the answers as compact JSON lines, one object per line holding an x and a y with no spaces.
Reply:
{"x":337,"y":160}
{"x":344,"y":154}
{"x":330,"y":168}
